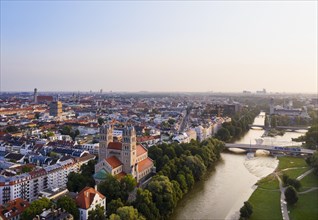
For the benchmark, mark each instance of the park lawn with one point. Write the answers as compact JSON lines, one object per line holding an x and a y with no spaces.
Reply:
{"x":306,"y":207}
{"x":266,"y":205}
{"x":269,"y":182}
{"x":311,"y":180}
{"x":296,"y":172}
{"x":289,"y":162}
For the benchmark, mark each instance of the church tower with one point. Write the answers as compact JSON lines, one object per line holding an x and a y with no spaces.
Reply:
{"x":105,"y":137}
{"x":129,"y":153}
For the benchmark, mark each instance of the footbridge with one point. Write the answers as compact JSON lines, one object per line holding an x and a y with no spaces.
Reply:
{"x":273,"y":149}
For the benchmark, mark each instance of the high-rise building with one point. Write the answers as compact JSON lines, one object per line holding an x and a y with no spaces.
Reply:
{"x":56,"y":108}
{"x":35,"y":95}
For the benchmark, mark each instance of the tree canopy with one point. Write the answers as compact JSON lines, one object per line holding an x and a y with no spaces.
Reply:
{"x":247,"y":210}
{"x":69,"y":205}
{"x":97,"y":214}
{"x":36,"y":208}
{"x":291,"y":196}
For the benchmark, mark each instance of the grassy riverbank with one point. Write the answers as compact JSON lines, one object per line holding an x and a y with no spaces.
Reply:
{"x":266,"y":204}
{"x":266,"y":198}
{"x":306,"y":207}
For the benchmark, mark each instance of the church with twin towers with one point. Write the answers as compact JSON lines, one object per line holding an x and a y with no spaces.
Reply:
{"x":119,"y":158}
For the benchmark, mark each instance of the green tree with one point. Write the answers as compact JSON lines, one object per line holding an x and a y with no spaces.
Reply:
{"x":88,"y":169}
{"x":26,"y":169}
{"x":11,"y":129}
{"x":76,"y":182}
{"x":37,"y":115}
{"x":196,"y":165}
{"x":66,"y":130}
{"x":246,"y":211}
{"x":50,"y":134}
{"x":74,"y":134}
{"x":313,"y":161}
{"x":127,"y":212}
{"x":111,"y":187}
{"x":145,"y":205}
{"x":182,"y":182}
{"x":177,"y":190}
{"x":291,"y":182}
{"x":163,"y":194}
{"x":97,"y":214}
{"x":223,"y":134}
{"x":69,"y":205}
{"x":100,"y":121}
{"x":113,"y":206}
{"x":171,"y":121}
{"x":54,"y":155}
{"x":291,"y":195}
{"x":128,"y":183}
{"x":311,"y":137}
{"x":36,"y":208}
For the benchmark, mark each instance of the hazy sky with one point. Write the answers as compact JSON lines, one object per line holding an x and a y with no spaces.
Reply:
{"x":159,"y":46}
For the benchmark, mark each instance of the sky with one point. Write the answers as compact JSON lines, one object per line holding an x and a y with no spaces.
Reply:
{"x":170,"y":46}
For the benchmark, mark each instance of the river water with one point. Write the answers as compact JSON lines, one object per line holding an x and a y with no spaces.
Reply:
{"x":223,"y":191}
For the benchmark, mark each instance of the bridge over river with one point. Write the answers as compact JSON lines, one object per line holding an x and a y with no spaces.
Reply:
{"x":270,"y":148}
{"x":293,"y":128}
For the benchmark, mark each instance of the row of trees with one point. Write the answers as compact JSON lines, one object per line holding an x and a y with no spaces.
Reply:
{"x":238,"y":126}
{"x":179,"y":166}
{"x":284,"y":120}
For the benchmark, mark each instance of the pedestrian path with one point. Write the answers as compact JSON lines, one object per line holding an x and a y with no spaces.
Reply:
{"x":283,"y":203}
{"x":305,"y":174}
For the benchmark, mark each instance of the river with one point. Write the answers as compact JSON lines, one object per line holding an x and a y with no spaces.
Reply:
{"x":224,"y":189}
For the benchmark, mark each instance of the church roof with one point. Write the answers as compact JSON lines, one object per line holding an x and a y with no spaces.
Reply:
{"x":115,"y":145}
{"x":144,"y":164}
{"x":140,"y":150}
{"x":113,"y":161}
{"x":101,"y":175}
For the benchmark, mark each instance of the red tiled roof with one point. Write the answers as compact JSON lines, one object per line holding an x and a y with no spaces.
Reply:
{"x":85,"y":197}
{"x":15,"y":207}
{"x":115,"y":145}
{"x":140,"y":150}
{"x":144,"y":164}
{"x":44,"y":98}
{"x":113,"y":161}
{"x":145,"y":138}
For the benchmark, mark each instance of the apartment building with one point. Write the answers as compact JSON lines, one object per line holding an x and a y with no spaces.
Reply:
{"x":29,"y":185}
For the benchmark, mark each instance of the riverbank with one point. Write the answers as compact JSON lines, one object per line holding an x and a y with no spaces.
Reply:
{"x":266,"y":198}
{"x":222,"y":192}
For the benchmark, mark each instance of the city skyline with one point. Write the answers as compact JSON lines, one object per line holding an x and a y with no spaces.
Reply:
{"x":159,"y":46}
